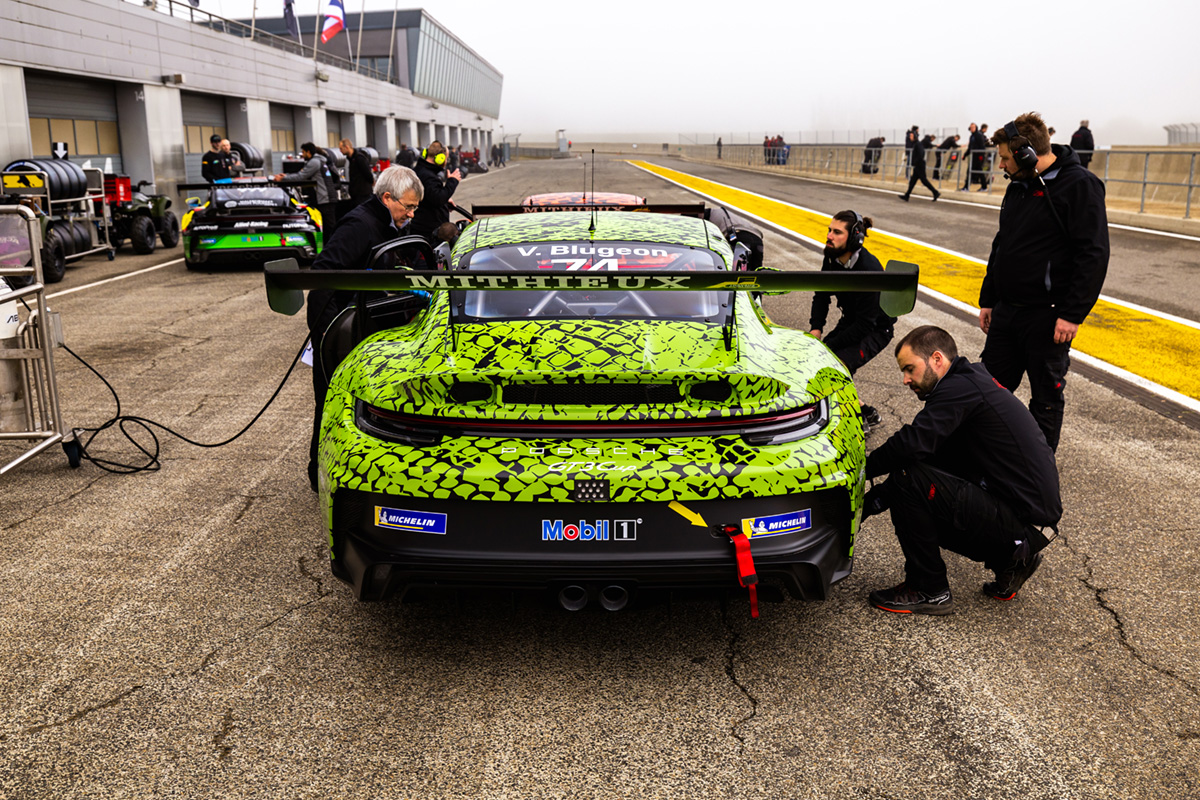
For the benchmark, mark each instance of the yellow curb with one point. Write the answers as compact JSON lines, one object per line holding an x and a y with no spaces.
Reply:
{"x":1160,"y":350}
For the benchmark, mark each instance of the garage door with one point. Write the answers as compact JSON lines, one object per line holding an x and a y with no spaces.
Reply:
{"x":80,"y":112}
{"x":203,"y":115}
{"x":283,"y":134}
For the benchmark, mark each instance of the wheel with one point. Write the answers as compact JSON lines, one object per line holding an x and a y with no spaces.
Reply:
{"x":142,"y":235}
{"x":54,"y":258}
{"x":170,"y":230}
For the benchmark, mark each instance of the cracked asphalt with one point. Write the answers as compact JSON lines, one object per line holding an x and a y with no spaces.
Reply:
{"x":176,"y":633}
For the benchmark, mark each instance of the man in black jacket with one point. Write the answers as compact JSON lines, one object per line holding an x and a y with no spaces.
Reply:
{"x":976,"y":159}
{"x":436,"y":204}
{"x":916,"y":162}
{"x":971,"y":473}
{"x":380,"y":219}
{"x":358,"y":168}
{"x":863,"y":330}
{"x":1046,"y":268}
{"x":1083,"y":144}
{"x":217,"y":163}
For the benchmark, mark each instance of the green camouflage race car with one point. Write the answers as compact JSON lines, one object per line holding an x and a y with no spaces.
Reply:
{"x":592,"y":403}
{"x":249,"y":222}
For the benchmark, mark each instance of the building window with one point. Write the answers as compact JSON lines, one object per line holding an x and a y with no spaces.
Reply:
{"x":84,"y":137}
{"x":197,"y":137}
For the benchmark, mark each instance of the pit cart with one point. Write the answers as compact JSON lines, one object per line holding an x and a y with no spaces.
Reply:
{"x":71,"y":206}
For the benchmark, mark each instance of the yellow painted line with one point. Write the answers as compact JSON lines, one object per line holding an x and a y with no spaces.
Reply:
{"x":1157,"y":349}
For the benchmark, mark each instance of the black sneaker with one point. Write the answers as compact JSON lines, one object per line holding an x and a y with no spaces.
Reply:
{"x":903,"y":197}
{"x":1010,"y":580}
{"x":870,"y":416}
{"x":903,"y":600}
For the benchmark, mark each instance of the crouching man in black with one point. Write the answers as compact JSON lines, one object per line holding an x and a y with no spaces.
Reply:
{"x":398,"y":192}
{"x":863,"y":329}
{"x":972,"y":474}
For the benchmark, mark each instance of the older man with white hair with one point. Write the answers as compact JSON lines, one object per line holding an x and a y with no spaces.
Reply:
{"x":398,"y":192}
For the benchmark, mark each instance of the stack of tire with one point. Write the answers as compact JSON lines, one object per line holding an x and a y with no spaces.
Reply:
{"x":64,"y":238}
{"x":249,"y":155}
{"x":372,"y":154}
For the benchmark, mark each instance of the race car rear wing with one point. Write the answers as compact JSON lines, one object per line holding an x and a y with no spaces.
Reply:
{"x":244,"y":184}
{"x":682,"y":209}
{"x":285,"y":282}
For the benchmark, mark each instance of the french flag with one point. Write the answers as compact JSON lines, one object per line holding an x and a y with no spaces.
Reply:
{"x":335,"y":20}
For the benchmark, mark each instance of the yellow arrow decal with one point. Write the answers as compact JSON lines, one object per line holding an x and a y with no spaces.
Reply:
{"x":687,"y":513}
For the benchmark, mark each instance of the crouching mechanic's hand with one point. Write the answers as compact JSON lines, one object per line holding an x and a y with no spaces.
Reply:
{"x":876,"y":501}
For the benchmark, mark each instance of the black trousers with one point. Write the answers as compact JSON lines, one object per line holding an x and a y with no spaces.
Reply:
{"x":918,"y":174}
{"x":854,"y":347}
{"x":934,"y":510}
{"x":1021,"y":342}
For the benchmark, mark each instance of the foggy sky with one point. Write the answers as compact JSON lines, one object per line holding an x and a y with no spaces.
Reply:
{"x":713,"y":68}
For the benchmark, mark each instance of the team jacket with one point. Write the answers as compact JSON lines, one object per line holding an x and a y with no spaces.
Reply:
{"x":974,"y":428}
{"x":216,"y":165}
{"x":362,"y":180}
{"x":1034,"y":262}
{"x":435,"y":205}
{"x":860,"y":310}
{"x":357,"y":233}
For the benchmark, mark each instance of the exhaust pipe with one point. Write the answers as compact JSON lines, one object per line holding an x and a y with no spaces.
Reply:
{"x":573,"y":597}
{"x":614,"y":597}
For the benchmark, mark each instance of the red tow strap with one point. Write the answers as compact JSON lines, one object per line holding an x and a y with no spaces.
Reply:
{"x":747,"y":577}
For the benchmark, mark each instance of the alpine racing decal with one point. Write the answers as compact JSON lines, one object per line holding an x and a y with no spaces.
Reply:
{"x":777,"y":524}
{"x":415,"y":521}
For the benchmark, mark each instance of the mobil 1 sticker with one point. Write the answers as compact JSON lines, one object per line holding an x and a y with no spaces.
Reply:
{"x":777,"y":524}
{"x":415,"y":521}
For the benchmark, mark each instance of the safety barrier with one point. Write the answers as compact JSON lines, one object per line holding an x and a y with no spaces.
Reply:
{"x":1159,"y":181}
{"x":29,"y":408}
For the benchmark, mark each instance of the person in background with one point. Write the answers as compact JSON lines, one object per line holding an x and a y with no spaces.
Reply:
{"x":1083,"y":144}
{"x":317,"y":171}
{"x":217,"y":163}
{"x":358,"y":169}
{"x":917,"y":163}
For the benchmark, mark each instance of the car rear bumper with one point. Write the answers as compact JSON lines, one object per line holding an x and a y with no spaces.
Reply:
{"x":251,"y":255}
{"x":383,"y":545}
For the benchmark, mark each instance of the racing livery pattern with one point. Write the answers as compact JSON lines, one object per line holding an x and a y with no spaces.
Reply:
{"x":610,"y":201}
{"x":399,"y":434}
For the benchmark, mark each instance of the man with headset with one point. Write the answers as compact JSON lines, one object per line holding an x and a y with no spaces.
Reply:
{"x":863,"y":329}
{"x":1046,"y":268}
{"x":439,"y":187}
{"x":971,"y":473}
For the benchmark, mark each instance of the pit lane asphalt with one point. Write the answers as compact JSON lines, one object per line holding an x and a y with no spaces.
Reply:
{"x":177,"y":634}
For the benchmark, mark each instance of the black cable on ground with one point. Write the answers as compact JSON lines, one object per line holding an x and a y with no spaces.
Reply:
{"x":121,"y":421}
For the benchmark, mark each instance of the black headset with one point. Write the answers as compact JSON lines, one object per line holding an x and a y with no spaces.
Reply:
{"x":1023,"y":153}
{"x":857,"y":232}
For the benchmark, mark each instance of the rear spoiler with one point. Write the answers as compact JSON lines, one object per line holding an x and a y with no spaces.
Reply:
{"x":682,"y":209}
{"x":250,"y":184}
{"x":285,"y":282}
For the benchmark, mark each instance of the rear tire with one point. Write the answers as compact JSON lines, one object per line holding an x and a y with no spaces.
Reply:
{"x":170,"y":230}
{"x":54,"y":258}
{"x":142,"y":235}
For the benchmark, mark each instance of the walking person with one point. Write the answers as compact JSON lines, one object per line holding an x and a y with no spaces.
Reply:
{"x":1046,"y":268}
{"x":971,"y":473}
{"x":1083,"y":144}
{"x":917,"y":163}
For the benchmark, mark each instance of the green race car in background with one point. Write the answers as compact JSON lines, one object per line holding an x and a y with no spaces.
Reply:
{"x":249,"y":222}
{"x":568,"y":413}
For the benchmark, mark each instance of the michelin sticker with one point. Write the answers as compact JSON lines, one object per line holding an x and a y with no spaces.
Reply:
{"x":777,"y":524}
{"x":415,"y":521}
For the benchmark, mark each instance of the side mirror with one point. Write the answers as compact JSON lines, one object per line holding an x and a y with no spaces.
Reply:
{"x":193,"y":202}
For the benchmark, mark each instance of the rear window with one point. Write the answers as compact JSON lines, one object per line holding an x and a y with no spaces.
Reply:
{"x":251,"y":197}
{"x":551,"y":257}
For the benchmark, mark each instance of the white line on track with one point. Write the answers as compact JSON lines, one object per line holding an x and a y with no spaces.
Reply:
{"x":1158,"y":390}
{"x":113,"y":279}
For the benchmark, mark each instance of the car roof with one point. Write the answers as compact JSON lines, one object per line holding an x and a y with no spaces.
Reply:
{"x":564,"y":226}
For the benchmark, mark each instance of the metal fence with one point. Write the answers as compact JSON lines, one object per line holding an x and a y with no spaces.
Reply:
{"x":183,"y":10}
{"x":1156,"y":181}
{"x":830,"y":136}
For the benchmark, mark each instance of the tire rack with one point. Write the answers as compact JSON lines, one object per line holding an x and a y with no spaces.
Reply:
{"x":91,"y":208}
{"x":37,"y":336}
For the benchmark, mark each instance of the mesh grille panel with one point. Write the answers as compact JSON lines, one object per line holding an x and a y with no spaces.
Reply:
{"x":592,"y":394}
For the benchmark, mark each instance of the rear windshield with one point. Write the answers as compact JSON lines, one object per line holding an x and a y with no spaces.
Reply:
{"x":251,"y":197}
{"x":586,"y":256}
